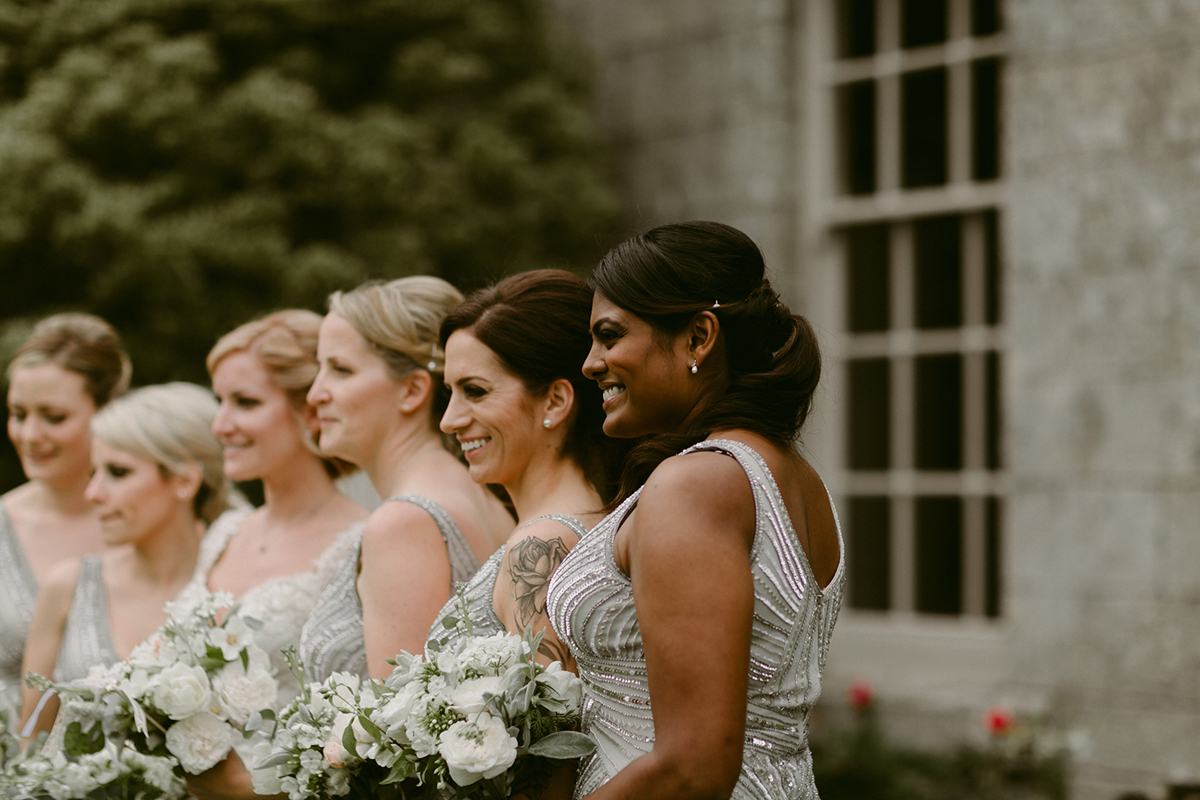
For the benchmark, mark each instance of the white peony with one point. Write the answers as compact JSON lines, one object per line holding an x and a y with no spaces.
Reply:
{"x":566,"y":686}
{"x":395,"y":712}
{"x":265,"y":779}
{"x":486,"y":655}
{"x":480,"y":747}
{"x":179,"y":691}
{"x":242,"y":691}
{"x":199,"y":742}
{"x":469,"y":696}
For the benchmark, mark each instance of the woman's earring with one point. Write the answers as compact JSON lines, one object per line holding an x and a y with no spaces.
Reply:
{"x":406,"y":408}
{"x":546,"y":423}
{"x":694,"y":368}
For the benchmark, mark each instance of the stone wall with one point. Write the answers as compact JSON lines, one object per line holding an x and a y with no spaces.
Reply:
{"x":1103,"y":396}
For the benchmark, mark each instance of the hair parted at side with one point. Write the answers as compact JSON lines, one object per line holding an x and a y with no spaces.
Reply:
{"x":536,"y":323}
{"x":669,"y":274}
{"x":285,"y":344}
{"x":79,"y":343}
{"x":401,"y":319}
{"x":170,"y":424}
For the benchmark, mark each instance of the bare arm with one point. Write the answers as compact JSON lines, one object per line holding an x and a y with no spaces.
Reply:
{"x":687,"y":554}
{"x":532,"y":555}
{"x":45,"y":638}
{"x":403,"y":581}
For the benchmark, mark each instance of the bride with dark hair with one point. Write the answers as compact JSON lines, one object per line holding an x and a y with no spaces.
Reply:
{"x":699,"y":611}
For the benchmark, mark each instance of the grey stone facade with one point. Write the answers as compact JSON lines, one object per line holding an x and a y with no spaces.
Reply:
{"x":709,"y":106}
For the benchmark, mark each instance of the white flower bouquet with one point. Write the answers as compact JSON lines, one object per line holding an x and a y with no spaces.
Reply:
{"x":187,"y":691}
{"x":108,"y":774}
{"x":480,"y":720}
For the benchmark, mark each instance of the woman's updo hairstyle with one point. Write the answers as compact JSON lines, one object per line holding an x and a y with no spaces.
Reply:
{"x":79,"y":343}
{"x":536,"y":323}
{"x":401,"y":319}
{"x":669,"y":274}
{"x":285,"y":344}
{"x":170,"y":424}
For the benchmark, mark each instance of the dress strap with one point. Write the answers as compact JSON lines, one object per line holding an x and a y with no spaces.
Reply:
{"x":463,"y":561}
{"x":577,"y":527}
{"x":16,"y":575}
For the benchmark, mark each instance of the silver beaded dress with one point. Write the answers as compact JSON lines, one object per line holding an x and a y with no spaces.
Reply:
{"x":479,"y":594}
{"x":87,"y":638}
{"x":18,"y":596}
{"x":591,"y":606}
{"x":332,"y":638}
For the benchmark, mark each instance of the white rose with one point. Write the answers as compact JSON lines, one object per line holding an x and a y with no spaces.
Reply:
{"x":396,"y":712}
{"x":199,"y":742}
{"x":265,"y":779}
{"x":179,"y":691}
{"x":468,"y":697}
{"x":480,"y":747}
{"x":335,"y":752}
{"x":242,"y":692}
{"x":566,"y":686}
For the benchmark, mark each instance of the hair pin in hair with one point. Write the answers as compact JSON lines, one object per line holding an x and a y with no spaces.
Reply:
{"x":716,"y":304}
{"x":432,"y":365}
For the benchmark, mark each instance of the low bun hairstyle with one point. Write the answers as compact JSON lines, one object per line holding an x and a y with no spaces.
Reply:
{"x":170,"y":424}
{"x":79,"y":343}
{"x":536,"y":323}
{"x":669,"y":274}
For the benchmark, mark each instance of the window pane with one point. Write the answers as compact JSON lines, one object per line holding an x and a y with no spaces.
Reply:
{"x":924,"y":22}
{"x":937,"y":258}
{"x":867,"y":275}
{"x":992,"y":411}
{"x":923,"y":128}
{"x":856,"y":135}
{"x":938,"y":412}
{"x":939,"y":555}
{"x":869,"y":553}
{"x":985,"y":17}
{"x":856,"y":28}
{"x":992,"y":552}
{"x":991,"y":266}
{"x":869,"y":395}
{"x":985,"y":116}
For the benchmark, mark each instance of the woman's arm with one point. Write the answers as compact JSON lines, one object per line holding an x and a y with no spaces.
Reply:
{"x":687,"y":553}
{"x":228,"y":780}
{"x":45,"y":638}
{"x":403,"y":582}
{"x":530,"y":558}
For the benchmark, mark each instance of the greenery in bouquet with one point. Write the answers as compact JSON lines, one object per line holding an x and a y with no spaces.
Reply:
{"x":481,"y":719}
{"x":188,"y":691}
{"x":108,"y":774}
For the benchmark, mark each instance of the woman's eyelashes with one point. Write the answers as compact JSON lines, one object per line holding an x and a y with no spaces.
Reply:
{"x":116,"y":471}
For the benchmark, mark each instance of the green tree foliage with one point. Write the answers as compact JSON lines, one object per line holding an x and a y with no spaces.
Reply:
{"x":179,"y":166}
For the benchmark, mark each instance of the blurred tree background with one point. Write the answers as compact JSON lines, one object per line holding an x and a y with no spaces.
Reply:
{"x":181,"y":166}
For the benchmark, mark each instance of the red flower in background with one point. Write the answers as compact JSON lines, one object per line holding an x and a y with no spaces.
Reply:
{"x":998,"y":721}
{"x":860,"y":695}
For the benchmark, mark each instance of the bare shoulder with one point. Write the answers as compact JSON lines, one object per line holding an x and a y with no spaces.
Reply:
{"x":398,"y":524}
{"x":58,"y":588}
{"x":698,"y":482}
{"x":544,"y":530}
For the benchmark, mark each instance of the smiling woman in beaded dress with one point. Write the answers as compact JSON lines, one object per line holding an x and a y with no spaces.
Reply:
{"x":700,"y":610}
{"x":70,"y":366}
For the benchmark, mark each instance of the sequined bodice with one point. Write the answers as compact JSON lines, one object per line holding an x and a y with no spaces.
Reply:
{"x":479,"y":593}
{"x":87,"y":638}
{"x":591,"y":606}
{"x":18,"y":596}
{"x":332,"y":639}
{"x":281,"y":603}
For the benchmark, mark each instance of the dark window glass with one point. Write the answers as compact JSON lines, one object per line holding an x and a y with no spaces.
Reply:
{"x":867,"y":275}
{"x":869,"y":553}
{"x":985,"y":117}
{"x":870,"y":431}
{"x":923,"y":128}
{"x":985,"y":17}
{"x":992,"y":552}
{"x":923,"y":22}
{"x":938,"y":412}
{"x":856,"y":134}
{"x":991,"y":265}
{"x":856,"y":28}
{"x":992,"y":411}
{"x":939,"y":555}
{"x":937,"y":273}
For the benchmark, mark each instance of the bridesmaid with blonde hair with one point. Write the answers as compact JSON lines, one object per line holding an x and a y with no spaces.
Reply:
{"x":157,"y":483}
{"x":70,"y":366}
